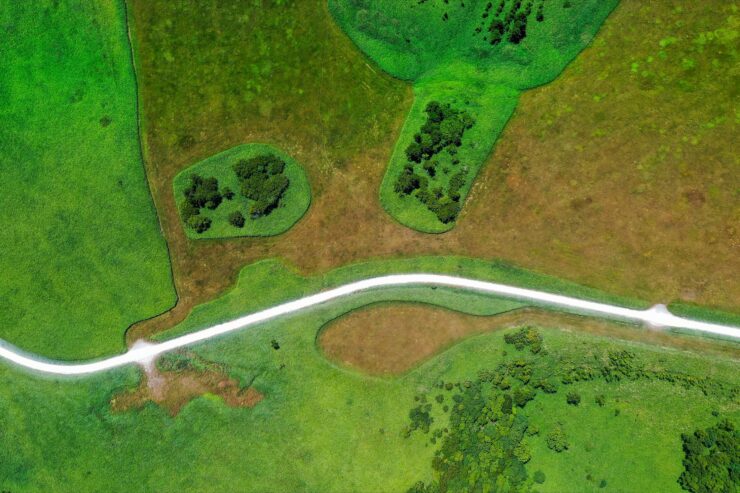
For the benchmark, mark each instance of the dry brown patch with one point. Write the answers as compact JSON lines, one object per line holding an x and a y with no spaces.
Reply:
{"x":586,"y":183}
{"x":389,"y":339}
{"x":171,"y":390}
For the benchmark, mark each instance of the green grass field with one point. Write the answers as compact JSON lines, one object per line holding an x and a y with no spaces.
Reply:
{"x":446,"y":50}
{"x":82,"y":252}
{"x":325,"y":428}
{"x":292,"y":206}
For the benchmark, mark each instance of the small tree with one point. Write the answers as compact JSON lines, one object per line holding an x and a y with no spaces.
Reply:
{"x":601,"y":400}
{"x":236,"y":219}
{"x":228,"y":193}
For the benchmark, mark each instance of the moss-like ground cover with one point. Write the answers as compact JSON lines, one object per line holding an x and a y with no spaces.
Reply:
{"x":323,"y":428}
{"x":82,"y":253}
{"x":290,"y":209}
{"x":477,"y":55}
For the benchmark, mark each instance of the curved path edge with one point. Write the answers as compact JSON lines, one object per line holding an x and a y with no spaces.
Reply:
{"x":144,"y":353}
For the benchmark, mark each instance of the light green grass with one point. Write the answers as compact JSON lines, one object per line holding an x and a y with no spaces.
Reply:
{"x":82,"y":253}
{"x":447,"y":62}
{"x":319,"y":428}
{"x":292,"y":206}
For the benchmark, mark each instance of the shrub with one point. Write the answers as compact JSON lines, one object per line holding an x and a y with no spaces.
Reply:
{"x":525,"y":337}
{"x":203,"y":192}
{"x":556,"y":440}
{"x":600,"y":400}
{"x":200,"y":224}
{"x":539,"y":477}
{"x":573,"y":398}
{"x":236,"y":219}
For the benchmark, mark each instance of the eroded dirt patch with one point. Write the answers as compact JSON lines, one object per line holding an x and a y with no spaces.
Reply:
{"x":171,"y":390}
{"x":389,"y":339}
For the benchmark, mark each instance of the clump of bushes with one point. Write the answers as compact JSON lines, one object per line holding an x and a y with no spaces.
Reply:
{"x":263,"y":181}
{"x":200,"y":193}
{"x":525,"y":337}
{"x":711,"y":459}
{"x":442,"y":132}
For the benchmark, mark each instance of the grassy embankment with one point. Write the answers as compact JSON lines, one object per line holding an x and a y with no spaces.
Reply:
{"x":83,"y":256}
{"x":293,"y":204}
{"x":323,"y":428}
{"x":447,"y":51}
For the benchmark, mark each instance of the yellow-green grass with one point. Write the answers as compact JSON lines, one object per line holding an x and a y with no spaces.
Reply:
{"x":324,"y":428}
{"x":82,"y":252}
{"x":448,"y":62}
{"x":292,"y":206}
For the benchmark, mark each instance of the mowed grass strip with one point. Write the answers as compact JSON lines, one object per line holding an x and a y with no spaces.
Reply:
{"x":82,"y":252}
{"x":293,"y":205}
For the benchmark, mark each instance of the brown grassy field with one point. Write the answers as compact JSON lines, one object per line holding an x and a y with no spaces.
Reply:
{"x":390,"y":339}
{"x":618,"y":176}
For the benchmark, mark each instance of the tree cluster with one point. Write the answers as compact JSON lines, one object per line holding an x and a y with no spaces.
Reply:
{"x":509,"y":24}
{"x":200,"y":193}
{"x":262,"y":180}
{"x":443,"y":131}
{"x":712,"y":459}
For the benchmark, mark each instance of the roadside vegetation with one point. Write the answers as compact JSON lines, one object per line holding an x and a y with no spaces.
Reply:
{"x":82,"y":252}
{"x":250,"y":190}
{"x":475,"y":55}
{"x":313,"y":415}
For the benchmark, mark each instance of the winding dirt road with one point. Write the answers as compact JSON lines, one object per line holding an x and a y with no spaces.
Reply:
{"x":145,"y":353}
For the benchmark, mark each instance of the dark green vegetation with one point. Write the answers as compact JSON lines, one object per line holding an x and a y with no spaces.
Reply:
{"x":250,"y":190}
{"x":486,"y":442}
{"x":473,"y":55}
{"x":82,"y":254}
{"x":442,"y":131}
{"x":314,"y":416}
{"x":712,"y":462}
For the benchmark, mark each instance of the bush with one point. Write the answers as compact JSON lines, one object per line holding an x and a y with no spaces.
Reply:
{"x":200,"y":224}
{"x":573,"y":398}
{"x":236,"y":219}
{"x":600,"y":400}
{"x":525,"y":337}
{"x":556,"y":440}
{"x":539,"y":477}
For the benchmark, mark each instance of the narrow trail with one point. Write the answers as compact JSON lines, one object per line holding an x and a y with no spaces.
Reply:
{"x":144,"y":353}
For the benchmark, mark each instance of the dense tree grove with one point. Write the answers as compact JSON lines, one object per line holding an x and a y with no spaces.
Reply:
{"x":484,"y":443}
{"x":436,"y":142}
{"x":712,"y":460}
{"x":263,"y":181}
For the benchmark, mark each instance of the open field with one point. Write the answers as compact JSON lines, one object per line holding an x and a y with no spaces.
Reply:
{"x":552,"y":198}
{"x":292,"y":206}
{"x":328,"y":429}
{"x":82,"y":253}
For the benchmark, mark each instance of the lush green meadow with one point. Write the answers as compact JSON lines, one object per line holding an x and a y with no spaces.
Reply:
{"x":324,"y":428}
{"x":473,"y":54}
{"x":82,"y":252}
{"x":292,"y":207}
